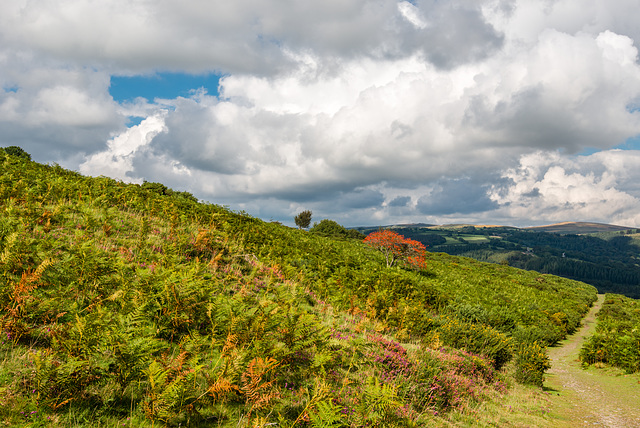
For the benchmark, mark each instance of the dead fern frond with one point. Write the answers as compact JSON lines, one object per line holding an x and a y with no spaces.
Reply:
{"x":126,"y":253}
{"x":62,"y":403}
{"x":21,"y":293}
{"x":202,"y":238}
{"x":213,"y":263}
{"x":107,"y":229}
{"x":255,"y":387}
{"x":179,"y":361}
{"x":230,"y":343}
{"x":221,"y":387}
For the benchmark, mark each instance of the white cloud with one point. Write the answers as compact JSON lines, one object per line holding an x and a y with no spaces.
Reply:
{"x":117,"y":160}
{"x":549,"y":187}
{"x":66,"y":105}
{"x":412,"y":14}
{"x":525,"y":20}
{"x":54,"y":111}
{"x":403,"y":121}
{"x":363,"y":110}
{"x":244,"y":36}
{"x":196,"y":35}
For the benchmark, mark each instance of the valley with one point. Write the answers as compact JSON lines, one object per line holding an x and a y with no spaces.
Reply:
{"x":605,"y":256}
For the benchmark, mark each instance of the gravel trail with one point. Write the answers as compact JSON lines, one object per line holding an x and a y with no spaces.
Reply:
{"x":593,"y":397}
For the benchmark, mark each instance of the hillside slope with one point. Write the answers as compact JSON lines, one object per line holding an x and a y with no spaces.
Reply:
{"x":126,"y":304}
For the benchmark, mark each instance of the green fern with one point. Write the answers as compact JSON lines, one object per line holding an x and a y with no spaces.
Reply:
{"x":177,"y":388}
{"x":154,"y":405}
{"x":379,"y":400}
{"x":59,"y":381}
{"x":326,"y":415}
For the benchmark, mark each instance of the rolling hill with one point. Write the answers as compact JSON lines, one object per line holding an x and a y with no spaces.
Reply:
{"x":135,"y":305}
{"x":579,"y":228}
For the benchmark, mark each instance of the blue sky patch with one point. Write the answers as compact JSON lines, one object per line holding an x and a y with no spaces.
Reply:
{"x":588,"y":151}
{"x":161,"y":85}
{"x":632,"y":143}
{"x":134,"y":120}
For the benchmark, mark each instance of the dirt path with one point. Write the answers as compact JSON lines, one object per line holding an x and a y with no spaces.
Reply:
{"x":593,"y":397}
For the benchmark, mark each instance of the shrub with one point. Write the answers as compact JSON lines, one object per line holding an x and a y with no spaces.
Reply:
{"x":617,"y":338}
{"x":594,"y":350}
{"x":331,"y":228}
{"x":617,"y":349}
{"x":531,"y":363}
{"x":450,"y":378}
{"x":479,"y":339}
{"x":17,"y":152}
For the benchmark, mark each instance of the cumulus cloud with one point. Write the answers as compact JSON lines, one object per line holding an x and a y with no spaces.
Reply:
{"x":117,"y":160}
{"x":54,"y":111}
{"x":246,"y":36}
{"x":549,"y":187}
{"x":407,"y":124}
{"x":548,"y":100}
{"x":365,"y":111}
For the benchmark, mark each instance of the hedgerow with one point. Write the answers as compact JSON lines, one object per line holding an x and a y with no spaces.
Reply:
{"x":617,"y":338}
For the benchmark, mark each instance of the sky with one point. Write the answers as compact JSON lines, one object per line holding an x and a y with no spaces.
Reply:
{"x":366,"y":112}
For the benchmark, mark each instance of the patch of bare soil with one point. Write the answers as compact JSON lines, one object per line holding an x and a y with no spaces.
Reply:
{"x":592,"y":397}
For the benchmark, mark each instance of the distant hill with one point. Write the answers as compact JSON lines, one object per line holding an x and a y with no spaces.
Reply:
{"x":578,"y":228}
{"x":564,"y":228}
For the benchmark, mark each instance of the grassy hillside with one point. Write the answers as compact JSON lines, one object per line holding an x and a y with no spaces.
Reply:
{"x":127,"y":305}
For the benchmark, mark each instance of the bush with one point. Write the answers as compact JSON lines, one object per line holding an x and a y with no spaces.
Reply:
{"x":617,"y":339}
{"x":531,"y":363}
{"x":17,"y":152}
{"x":450,"y":378}
{"x":329,"y":228}
{"x":479,"y":339}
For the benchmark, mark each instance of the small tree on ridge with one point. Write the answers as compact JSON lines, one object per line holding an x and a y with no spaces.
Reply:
{"x":303,"y":220}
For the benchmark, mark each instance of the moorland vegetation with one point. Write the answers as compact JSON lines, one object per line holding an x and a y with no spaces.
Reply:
{"x":125,"y":304}
{"x":616,"y":341}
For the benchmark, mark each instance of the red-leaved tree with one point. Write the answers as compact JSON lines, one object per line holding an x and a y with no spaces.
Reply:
{"x":396,"y":247}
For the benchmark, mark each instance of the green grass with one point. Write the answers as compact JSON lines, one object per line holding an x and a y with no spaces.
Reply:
{"x":475,"y":239}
